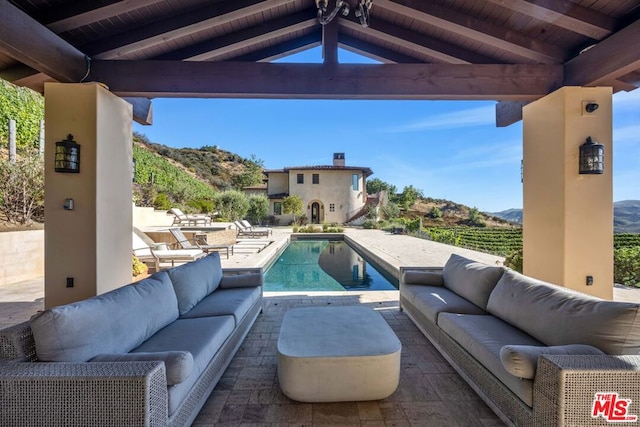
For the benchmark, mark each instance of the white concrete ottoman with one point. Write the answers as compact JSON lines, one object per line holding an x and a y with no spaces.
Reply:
{"x":337,"y":354}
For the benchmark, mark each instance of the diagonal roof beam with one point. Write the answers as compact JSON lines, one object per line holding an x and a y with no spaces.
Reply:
{"x":375,"y":52}
{"x":608,"y":60}
{"x":214,"y":48}
{"x":304,"y":81}
{"x":476,"y":29}
{"x":412,"y":40}
{"x":564,"y":14}
{"x":284,"y":49}
{"x":83,"y":13}
{"x":27,"y":41}
{"x":176,"y":27}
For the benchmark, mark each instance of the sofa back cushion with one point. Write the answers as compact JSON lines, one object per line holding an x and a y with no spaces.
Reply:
{"x":560,"y":316}
{"x":114,"y":322}
{"x":470,"y":279}
{"x":195,"y":280}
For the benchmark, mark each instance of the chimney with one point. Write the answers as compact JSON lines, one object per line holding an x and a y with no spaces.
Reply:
{"x":338,"y":159}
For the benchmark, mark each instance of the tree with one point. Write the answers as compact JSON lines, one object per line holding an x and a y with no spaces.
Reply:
{"x":258,"y":209}
{"x":410,"y":194}
{"x":252,"y":174}
{"x":22,"y":189}
{"x":475,"y":219}
{"x":435,"y":213}
{"x":232,"y":205}
{"x":376,"y":185}
{"x":390,"y":210}
{"x":293,"y":205}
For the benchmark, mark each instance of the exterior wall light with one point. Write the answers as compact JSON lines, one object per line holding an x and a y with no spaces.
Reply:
{"x":67,"y":156}
{"x":591,"y":157}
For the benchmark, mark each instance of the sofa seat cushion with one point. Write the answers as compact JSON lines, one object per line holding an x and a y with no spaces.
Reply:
{"x":433,"y":300}
{"x":202,"y":337}
{"x":178,"y":364}
{"x":483,"y":336}
{"x":418,"y":277}
{"x":114,"y":322}
{"x":235,"y":301}
{"x":195,"y":280}
{"x":470,"y":279}
{"x":560,"y":316}
{"x":522,"y":360}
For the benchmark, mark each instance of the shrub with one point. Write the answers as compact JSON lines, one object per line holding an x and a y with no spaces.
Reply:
{"x":258,"y":209}
{"x":139,"y":267}
{"x":201,"y":205}
{"x":22,"y":189}
{"x":626,"y":266}
{"x":293,"y":205}
{"x":390,"y":210}
{"x":369,"y":224}
{"x":514,"y":260}
{"x":232,"y":205}
{"x":475,"y":219}
{"x":162,"y":202}
{"x":435,"y":213}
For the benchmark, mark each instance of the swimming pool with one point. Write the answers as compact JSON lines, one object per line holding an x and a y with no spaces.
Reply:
{"x":325,"y":265}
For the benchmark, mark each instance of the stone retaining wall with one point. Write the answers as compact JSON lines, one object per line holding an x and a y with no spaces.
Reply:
{"x":22,"y":255}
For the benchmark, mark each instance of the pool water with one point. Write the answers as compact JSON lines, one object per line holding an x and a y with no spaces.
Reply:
{"x":323,"y":265}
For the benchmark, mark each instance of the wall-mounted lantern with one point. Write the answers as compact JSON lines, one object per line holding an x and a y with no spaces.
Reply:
{"x":591,"y":157}
{"x":67,"y":156}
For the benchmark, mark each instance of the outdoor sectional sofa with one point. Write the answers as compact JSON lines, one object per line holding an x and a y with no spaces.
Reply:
{"x":536,"y":353}
{"x":146,"y":354}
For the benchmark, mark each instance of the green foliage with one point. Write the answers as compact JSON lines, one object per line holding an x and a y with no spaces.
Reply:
{"x":475,"y":219}
{"x":22,"y":189}
{"x":24,"y":106}
{"x":252,"y":174}
{"x":201,"y":205}
{"x":138,"y":267}
{"x":410,"y":224}
{"x":625,"y":240}
{"x":626,"y":266}
{"x":370,"y":224}
{"x":332,"y":228}
{"x":409,"y":196}
{"x":514,"y":260}
{"x":232,"y":205}
{"x":435,"y":213}
{"x":293,"y":205}
{"x":376,"y":185}
{"x":444,"y":235}
{"x":162,"y":202}
{"x":390,"y":210}
{"x":258,"y":209}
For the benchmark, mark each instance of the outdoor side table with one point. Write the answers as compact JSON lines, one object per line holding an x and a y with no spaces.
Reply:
{"x":337,"y":354}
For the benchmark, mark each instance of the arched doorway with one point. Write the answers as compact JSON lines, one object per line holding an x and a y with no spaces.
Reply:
{"x":315,"y":213}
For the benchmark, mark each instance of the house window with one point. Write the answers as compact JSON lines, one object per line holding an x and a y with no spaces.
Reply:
{"x":316,"y":178}
{"x":355,"y":182}
{"x":277,"y":208}
{"x":332,"y":207}
{"x":300,"y":178}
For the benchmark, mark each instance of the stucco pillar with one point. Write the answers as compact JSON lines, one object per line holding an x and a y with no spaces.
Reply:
{"x":568,"y":217}
{"x":90,"y":244}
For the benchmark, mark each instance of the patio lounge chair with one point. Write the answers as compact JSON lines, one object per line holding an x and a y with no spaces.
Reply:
{"x":186,"y":243}
{"x":180,"y":218}
{"x":152,"y":253}
{"x":244,"y":231}
{"x":247,"y":224}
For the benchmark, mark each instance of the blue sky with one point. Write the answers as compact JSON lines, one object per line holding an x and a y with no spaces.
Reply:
{"x":448,"y":149}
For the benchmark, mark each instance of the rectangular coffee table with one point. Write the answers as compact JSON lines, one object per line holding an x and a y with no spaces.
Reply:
{"x":337,"y":354}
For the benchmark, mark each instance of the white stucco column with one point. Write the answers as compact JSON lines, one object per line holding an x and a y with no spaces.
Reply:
{"x":568,"y":217}
{"x":90,"y":244}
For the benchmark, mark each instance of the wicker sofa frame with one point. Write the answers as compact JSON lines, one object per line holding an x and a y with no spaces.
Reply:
{"x":563,"y":391}
{"x":101,"y":393}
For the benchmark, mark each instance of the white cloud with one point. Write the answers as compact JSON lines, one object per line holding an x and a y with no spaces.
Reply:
{"x":480,"y":116}
{"x":626,"y":134}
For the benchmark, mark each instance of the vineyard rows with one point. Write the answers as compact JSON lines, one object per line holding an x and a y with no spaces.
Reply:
{"x":501,"y":241}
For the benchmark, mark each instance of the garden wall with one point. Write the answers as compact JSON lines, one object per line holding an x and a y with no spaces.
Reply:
{"x":22,"y":255}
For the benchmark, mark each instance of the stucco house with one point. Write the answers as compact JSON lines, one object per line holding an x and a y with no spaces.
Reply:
{"x":330,"y":193}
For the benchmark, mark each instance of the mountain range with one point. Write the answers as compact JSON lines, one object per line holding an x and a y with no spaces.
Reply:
{"x":626,"y":216}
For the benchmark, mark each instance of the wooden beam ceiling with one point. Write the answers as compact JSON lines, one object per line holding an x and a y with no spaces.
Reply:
{"x":369,"y":50}
{"x":284,"y":49}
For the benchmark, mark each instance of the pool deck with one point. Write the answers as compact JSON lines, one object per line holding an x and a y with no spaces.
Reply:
{"x":431,"y":393}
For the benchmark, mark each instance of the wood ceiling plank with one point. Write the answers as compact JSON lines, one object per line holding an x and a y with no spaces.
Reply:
{"x":374,"y":51}
{"x":342,"y":81}
{"x":473,"y":28}
{"x":509,"y":112}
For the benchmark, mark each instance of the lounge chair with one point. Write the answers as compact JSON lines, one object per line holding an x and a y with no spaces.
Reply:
{"x":180,"y":218}
{"x":248,"y":225}
{"x":186,"y":243}
{"x":152,"y":253}
{"x":249,"y":232}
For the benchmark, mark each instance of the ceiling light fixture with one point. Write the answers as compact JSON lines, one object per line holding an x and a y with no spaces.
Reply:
{"x":342,"y":7}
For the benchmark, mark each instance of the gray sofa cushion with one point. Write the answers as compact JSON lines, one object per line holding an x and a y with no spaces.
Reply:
{"x":415,"y":277}
{"x":470,"y":279}
{"x":433,"y":300}
{"x":241,"y":281}
{"x":114,"y":322}
{"x":483,"y":337}
{"x":178,"y":364}
{"x":195,"y":280}
{"x":236,"y":302}
{"x":201,"y":337}
{"x":522,"y":360}
{"x":559,"y":316}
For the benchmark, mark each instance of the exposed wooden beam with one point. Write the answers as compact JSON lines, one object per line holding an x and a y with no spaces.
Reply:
{"x":352,"y":81}
{"x":215,"y":48}
{"x":142,"y":110}
{"x":414,"y":41}
{"x":85,"y":12}
{"x":467,"y":26}
{"x":509,"y":112}
{"x":284,"y":49}
{"x":330,"y":42}
{"x":632,"y":78}
{"x":17,"y":72}
{"x":564,"y":14}
{"x":27,"y":41}
{"x":375,"y":52}
{"x":219,"y":13}
{"x":608,"y":60}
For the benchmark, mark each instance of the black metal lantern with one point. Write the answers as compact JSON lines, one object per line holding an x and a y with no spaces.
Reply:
{"x":67,"y":155}
{"x":591,"y":157}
